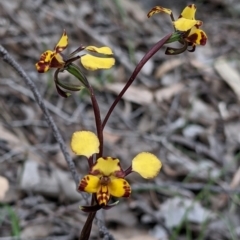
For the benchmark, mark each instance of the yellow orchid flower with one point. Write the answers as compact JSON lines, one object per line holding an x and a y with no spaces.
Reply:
{"x":187,"y":24}
{"x":106,"y":178}
{"x":55,"y":59}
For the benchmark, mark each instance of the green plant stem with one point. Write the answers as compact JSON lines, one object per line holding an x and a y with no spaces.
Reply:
{"x":14,"y":221}
{"x":138,"y":68}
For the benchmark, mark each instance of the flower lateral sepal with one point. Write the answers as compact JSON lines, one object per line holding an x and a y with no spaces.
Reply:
{"x":175,"y":51}
{"x":62,"y":93}
{"x":92,"y":208}
{"x":61,"y":86}
{"x":76,"y":72}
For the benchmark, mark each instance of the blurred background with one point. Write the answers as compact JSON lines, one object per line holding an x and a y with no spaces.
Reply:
{"x":184,"y":108}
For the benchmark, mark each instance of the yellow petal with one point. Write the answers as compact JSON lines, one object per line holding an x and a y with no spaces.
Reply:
{"x":119,"y":187}
{"x":89,"y":184}
{"x":63,"y":43}
{"x":85,"y":143}
{"x":189,"y":12}
{"x":106,"y":166}
{"x":183,"y":24}
{"x":93,"y":63}
{"x":159,"y":9}
{"x":103,"y":195}
{"x":197,"y":36}
{"x":43,"y":64}
{"x":146,"y":164}
{"x":102,"y":50}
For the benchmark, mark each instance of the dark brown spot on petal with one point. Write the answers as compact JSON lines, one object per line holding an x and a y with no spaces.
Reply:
{"x":42,"y":66}
{"x":56,"y":64}
{"x":199,"y":24}
{"x":203,"y":40}
{"x":192,"y":6}
{"x":127,"y":191}
{"x":82,"y":184}
{"x":104,"y":180}
{"x":119,"y":174}
{"x":155,"y":10}
{"x":192,"y":38}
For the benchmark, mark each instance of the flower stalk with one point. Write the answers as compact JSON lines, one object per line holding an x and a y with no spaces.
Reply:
{"x":133,"y":76}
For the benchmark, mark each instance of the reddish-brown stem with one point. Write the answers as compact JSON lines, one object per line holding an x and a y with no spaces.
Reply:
{"x":98,"y":120}
{"x":140,"y":65}
{"x":127,"y":171}
{"x":86,"y":231}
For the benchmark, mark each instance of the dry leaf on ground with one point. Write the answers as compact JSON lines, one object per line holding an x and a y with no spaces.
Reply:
{"x":134,"y":94}
{"x":4,"y":186}
{"x":168,"y":66}
{"x":229,"y":75}
{"x":167,"y":93}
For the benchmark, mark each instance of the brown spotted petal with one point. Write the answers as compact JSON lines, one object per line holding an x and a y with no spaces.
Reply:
{"x":159,"y":9}
{"x":49,"y":59}
{"x":119,"y":187}
{"x":197,"y":36}
{"x":43,"y":64}
{"x":89,"y":184}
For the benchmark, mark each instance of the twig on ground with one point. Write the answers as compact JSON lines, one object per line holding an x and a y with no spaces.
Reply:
{"x":197,"y":147}
{"x":103,"y":231}
{"x":10,"y":61}
{"x":49,"y":106}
